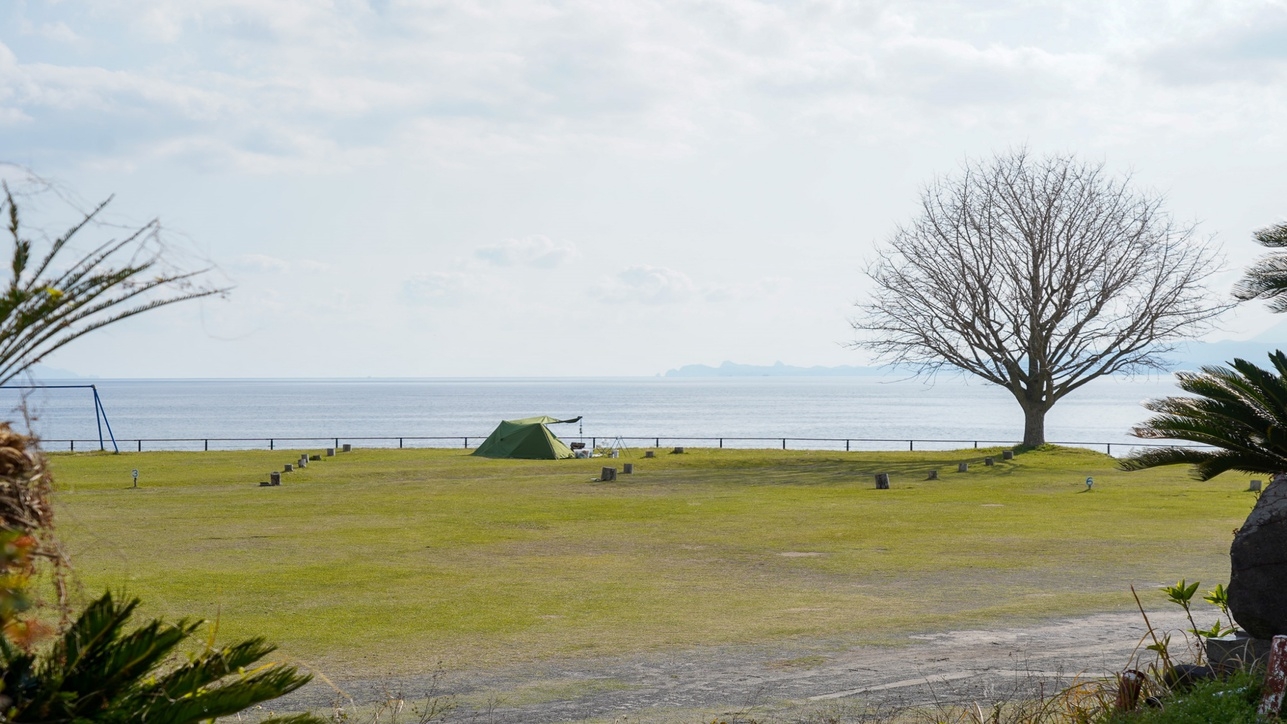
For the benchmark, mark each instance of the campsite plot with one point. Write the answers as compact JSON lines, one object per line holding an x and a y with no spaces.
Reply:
{"x":380,"y":561}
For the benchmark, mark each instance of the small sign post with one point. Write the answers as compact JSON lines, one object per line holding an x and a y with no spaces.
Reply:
{"x":136,"y":477}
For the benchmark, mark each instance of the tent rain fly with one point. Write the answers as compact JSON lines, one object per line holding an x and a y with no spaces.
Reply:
{"x":527,"y":439}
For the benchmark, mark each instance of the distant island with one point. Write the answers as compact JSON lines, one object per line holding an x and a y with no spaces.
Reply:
{"x":1188,"y":356}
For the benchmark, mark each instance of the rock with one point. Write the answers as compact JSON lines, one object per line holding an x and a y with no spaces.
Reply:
{"x":1258,"y":566}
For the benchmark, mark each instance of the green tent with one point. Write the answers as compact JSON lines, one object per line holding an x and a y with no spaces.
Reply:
{"x":528,"y":439}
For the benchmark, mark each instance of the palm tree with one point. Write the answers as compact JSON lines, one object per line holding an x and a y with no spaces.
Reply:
{"x":1267,"y":278}
{"x":1240,"y":412}
{"x":99,"y":672}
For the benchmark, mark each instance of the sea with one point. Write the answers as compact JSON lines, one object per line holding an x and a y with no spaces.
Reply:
{"x":868,"y":412}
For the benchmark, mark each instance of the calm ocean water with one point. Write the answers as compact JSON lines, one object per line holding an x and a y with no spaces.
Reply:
{"x":670,"y":408}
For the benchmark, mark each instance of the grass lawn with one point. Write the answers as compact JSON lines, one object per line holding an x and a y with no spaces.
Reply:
{"x":383,"y":561}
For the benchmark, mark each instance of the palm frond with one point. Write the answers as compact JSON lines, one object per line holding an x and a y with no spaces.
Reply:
{"x":1239,"y":411}
{"x":100,"y":672}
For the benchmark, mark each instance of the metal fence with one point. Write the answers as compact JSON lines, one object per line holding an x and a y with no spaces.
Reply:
{"x":849,"y":444}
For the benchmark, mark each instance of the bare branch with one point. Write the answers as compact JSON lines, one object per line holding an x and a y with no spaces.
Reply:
{"x":1039,"y":275}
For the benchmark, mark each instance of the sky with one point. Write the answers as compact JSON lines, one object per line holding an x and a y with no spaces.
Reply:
{"x":591,"y":187}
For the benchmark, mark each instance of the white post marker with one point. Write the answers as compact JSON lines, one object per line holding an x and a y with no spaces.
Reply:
{"x":1089,"y":482}
{"x":136,"y":477}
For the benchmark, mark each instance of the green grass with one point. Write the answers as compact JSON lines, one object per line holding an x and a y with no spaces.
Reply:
{"x":379,"y":561}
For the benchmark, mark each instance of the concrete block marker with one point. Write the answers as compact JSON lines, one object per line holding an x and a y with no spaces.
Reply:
{"x":989,"y":462}
{"x":330,"y":452}
{"x":608,"y":475}
{"x":347,"y":448}
{"x":287,"y":468}
{"x":963,"y":467}
{"x":882,"y":481}
{"x":933,"y":475}
{"x":1007,"y":455}
{"x":650,"y":454}
{"x":627,"y":468}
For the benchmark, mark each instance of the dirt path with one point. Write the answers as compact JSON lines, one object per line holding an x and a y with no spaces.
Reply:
{"x":791,"y":682}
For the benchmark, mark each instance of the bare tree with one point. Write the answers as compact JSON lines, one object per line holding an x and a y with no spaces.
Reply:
{"x":1039,"y":275}
{"x":56,"y":293}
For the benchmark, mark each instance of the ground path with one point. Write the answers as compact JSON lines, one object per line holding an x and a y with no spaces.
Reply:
{"x":789,"y":682}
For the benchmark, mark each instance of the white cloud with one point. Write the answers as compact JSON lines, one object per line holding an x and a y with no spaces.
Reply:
{"x":533,"y":251}
{"x":265,"y":264}
{"x":437,"y":289}
{"x":646,"y":284}
{"x":58,"y":31}
{"x":448,"y":81}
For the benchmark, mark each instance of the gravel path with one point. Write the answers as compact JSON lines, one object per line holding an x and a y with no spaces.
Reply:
{"x":789,"y":682}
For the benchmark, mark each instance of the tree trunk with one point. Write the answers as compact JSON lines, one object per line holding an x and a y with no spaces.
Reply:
{"x":1034,"y":426}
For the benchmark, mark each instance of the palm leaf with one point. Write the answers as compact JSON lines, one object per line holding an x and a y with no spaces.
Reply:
{"x":1239,"y":411}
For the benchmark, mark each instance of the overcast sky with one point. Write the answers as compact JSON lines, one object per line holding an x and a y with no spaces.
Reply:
{"x":587,"y":187}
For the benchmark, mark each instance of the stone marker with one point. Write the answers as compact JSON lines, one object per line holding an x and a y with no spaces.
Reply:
{"x":650,"y":454}
{"x":1254,"y":487}
{"x":330,"y":452}
{"x":882,"y":481}
{"x":1236,"y":651}
{"x":627,"y":468}
{"x":347,"y":448}
{"x":315,"y":458}
{"x":1258,"y":565}
{"x":1007,"y":455}
{"x":962,"y":467}
{"x":607,"y":475}
{"x":287,"y":468}
{"x":303,"y":461}
{"x":677,"y":451}
{"x":933,"y":475}
{"x":988,"y":461}
{"x":274,"y":478}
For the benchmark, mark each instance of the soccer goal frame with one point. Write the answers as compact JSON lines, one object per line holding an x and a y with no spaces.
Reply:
{"x":100,"y":413}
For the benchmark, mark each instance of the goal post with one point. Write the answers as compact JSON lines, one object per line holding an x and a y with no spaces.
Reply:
{"x":100,"y":413}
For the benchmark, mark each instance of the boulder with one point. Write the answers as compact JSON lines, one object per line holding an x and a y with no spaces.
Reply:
{"x":1258,"y":566}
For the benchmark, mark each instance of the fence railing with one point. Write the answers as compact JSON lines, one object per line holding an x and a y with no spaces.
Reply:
{"x":463,"y":441}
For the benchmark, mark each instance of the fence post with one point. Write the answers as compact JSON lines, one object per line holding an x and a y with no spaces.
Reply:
{"x":656,"y":442}
{"x":140,"y":446}
{"x":976,"y":444}
{"x":207,"y":441}
{"x":337,"y":442}
{"x":846,"y":446}
{"x":721,"y":443}
{"x":784,"y":443}
{"x":1110,"y":449}
{"x":466,"y":443}
{"x":73,"y":445}
{"x":270,"y":444}
{"x":400,"y":443}
{"x":911,"y":446}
